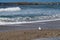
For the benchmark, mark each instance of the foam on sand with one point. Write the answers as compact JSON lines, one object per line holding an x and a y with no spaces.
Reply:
{"x":10,"y":9}
{"x":8,"y":23}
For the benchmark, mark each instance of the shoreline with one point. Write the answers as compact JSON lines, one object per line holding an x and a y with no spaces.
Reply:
{"x":30,"y":31}
{"x":24,"y":22}
{"x":31,"y":26}
{"x":29,"y":34}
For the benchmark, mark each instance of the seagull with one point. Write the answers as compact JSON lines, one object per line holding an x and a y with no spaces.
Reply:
{"x":39,"y":28}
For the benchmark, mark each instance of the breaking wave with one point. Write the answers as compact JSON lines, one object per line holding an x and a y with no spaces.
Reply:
{"x":22,"y":20}
{"x":27,"y":15}
{"x":10,"y":9}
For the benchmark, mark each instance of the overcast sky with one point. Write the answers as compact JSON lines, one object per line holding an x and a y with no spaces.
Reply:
{"x":29,"y":0}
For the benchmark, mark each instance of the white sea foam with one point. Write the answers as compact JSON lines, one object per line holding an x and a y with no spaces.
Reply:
{"x":22,"y":20}
{"x":10,"y":9}
{"x":8,"y":23}
{"x":27,"y":19}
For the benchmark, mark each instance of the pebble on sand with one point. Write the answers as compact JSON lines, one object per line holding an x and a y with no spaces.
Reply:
{"x":39,"y":28}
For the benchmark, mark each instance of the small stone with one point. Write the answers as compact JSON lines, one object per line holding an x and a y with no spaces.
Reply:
{"x":39,"y":28}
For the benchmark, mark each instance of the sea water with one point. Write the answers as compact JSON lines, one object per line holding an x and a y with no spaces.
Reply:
{"x":51,"y":38}
{"x":29,"y":14}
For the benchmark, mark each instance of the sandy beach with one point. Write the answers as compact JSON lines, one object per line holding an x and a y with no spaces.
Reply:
{"x":28,"y":34}
{"x":30,"y":31}
{"x":29,"y":20}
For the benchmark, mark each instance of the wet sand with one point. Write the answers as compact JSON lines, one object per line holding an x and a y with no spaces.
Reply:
{"x":30,"y":31}
{"x":30,"y":26}
{"x":51,"y":38}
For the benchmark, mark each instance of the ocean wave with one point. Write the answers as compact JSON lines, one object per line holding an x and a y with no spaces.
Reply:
{"x":9,"y":23}
{"x":10,"y":9}
{"x":28,"y":18}
{"x":22,"y":20}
